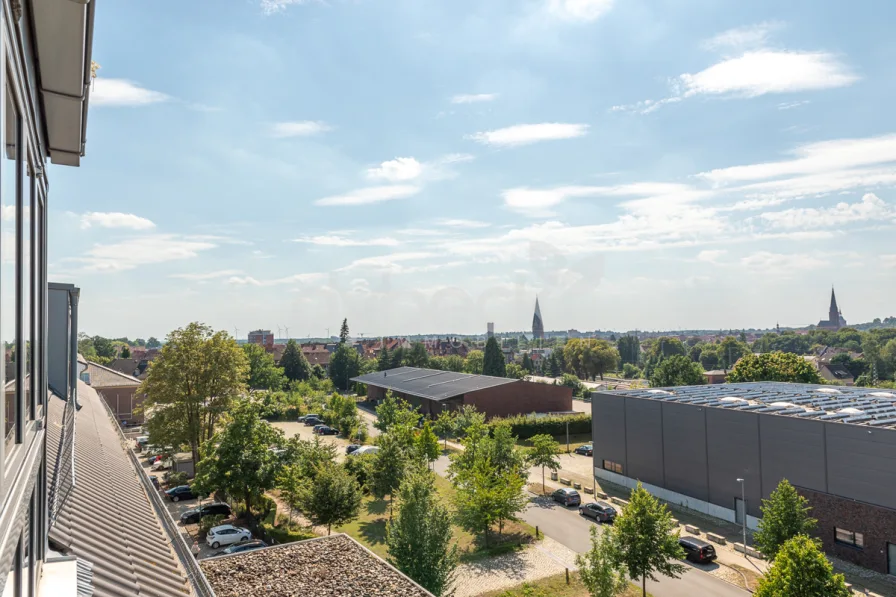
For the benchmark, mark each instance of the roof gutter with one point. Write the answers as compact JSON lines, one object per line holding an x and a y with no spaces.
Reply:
{"x":88,"y":59}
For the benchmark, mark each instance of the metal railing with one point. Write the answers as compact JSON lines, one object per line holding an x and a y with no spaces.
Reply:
{"x":62,"y":479}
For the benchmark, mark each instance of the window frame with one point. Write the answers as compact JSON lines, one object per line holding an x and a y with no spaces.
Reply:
{"x":613,"y":467}
{"x":850,"y":538}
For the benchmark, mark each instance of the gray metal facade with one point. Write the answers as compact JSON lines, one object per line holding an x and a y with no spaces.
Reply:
{"x":701,"y":451}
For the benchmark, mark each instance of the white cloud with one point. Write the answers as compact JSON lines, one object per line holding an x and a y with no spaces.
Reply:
{"x":464,"y":224}
{"x":741,"y":37}
{"x":370,"y":195}
{"x":538,"y":202}
{"x":121,"y":92}
{"x":579,"y":10}
{"x":396,"y":170}
{"x":270,"y":7}
{"x":711,"y":256}
{"x":341,"y":241}
{"x":141,"y":250}
{"x":791,"y":105}
{"x":207,"y":275}
{"x":649,"y":196}
{"x":455,"y":158}
{"x":115,"y":220}
{"x":888,"y":260}
{"x":525,"y":134}
{"x":294,"y":279}
{"x":303,"y":128}
{"x":870,"y":208}
{"x":474,"y":98}
{"x":768,"y":71}
{"x":766,"y":262}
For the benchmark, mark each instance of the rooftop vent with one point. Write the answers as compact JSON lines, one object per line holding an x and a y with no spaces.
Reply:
{"x":659,"y":392}
{"x":883,"y":394}
{"x":731,"y":399}
{"x":786,"y":404}
{"x":829,"y":391}
{"x":849,"y":411}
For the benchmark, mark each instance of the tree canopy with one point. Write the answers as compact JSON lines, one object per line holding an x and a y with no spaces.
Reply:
{"x":264,"y":374}
{"x":785,"y":514}
{"x":474,"y":362}
{"x":801,"y":570}
{"x":590,"y":358}
{"x":345,"y":363}
{"x":774,"y":366}
{"x":677,"y":370}
{"x":493,"y":362}
{"x":295,"y":365}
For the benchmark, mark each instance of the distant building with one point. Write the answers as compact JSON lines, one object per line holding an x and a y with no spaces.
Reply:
{"x":715,"y":376}
{"x":835,"y":319}
{"x":491,"y":329}
{"x":263,"y":338}
{"x":834,"y":373}
{"x":574,"y":334}
{"x":446,"y":348}
{"x":118,"y":390}
{"x":537,"y":323}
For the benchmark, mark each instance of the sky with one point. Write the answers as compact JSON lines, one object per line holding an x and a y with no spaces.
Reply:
{"x":427,"y":167}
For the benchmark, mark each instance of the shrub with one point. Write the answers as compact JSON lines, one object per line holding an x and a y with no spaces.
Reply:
{"x":207,"y":522}
{"x":287,"y":533}
{"x":178,"y":478}
{"x":360,"y":468}
{"x":525,"y":426}
{"x":629,"y":371}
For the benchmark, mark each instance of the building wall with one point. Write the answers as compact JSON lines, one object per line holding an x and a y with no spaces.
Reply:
{"x":732,"y":443}
{"x":122,"y":401}
{"x":644,"y":440}
{"x":684,"y":432}
{"x":521,"y":397}
{"x":861,"y":463}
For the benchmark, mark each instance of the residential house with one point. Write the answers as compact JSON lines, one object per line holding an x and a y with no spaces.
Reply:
{"x":118,"y":390}
{"x":446,"y":348}
{"x":834,"y":373}
{"x":716,"y":376}
{"x":137,"y":369}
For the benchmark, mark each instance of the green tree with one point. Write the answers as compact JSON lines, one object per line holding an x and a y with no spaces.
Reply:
{"x":334,"y":498}
{"x":785,"y":514}
{"x":629,"y":371}
{"x":295,"y":365}
{"x":774,"y":366}
{"x":394,"y":411}
{"x":191,"y":384}
{"x":598,"y":569}
{"x":474,"y":362}
{"x":484,"y":498}
{"x":343,"y":332}
{"x":646,"y":540}
{"x":389,"y":468}
{"x":629,"y":348}
{"x":384,"y":360}
{"x":730,"y":351}
{"x":417,"y":357}
{"x":444,"y":425}
{"x":291,"y":483}
{"x":514,"y":371}
{"x":263,"y":373}
{"x":308,"y":456}
{"x":801,"y":570}
{"x":454,"y":363}
{"x":140,"y":342}
{"x":104,"y":347}
{"x":344,"y":365}
{"x":503,"y":453}
{"x":856,"y":367}
{"x":493,"y":362}
{"x":677,"y":370}
{"x":420,"y":540}
{"x":554,"y":367}
{"x":242,"y":464}
{"x":544,"y":454}
{"x":398,"y":358}
{"x":527,"y":363}
{"x":125,"y":352}
{"x":427,"y":444}
{"x":153,"y":342}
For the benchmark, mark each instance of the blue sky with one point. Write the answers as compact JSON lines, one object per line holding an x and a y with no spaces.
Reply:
{"x":423,"y":167}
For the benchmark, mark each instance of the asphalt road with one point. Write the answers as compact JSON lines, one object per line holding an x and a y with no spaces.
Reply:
{"x":572,"y":530}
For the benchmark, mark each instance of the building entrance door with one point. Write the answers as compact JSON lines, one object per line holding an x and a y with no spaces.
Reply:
{"x":738,"y":510}
{"x":891,"y":558}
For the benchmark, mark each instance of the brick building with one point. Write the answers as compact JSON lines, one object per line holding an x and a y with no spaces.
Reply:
{"x":118,"y":390}
{"x":263,"y":338}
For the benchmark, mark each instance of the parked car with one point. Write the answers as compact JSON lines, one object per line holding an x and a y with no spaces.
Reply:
{"x":227,"y":534}
{"x":181,"y":492}
{"x":351,"y":448}
{"x":599,"y":511}
{"x":324,"y":430}
{"x":697,"y":550}
{"x":567,"y":496}
{"x":161,"y":465}
{"x":214,"y":509}
{"x":142,"y":442}
{"x":586,"y":450}
{"x":312,"y":421}
{"x":304,"y":418}
{"x":365,"y":450}
{"x":240,"y":547}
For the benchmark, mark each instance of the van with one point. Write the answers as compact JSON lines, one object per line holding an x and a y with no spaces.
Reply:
{"x":697,"y":550}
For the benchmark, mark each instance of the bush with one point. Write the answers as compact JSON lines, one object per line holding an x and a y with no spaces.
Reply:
{"x":629,"y":371}
{"x":525,"y":426}
{"x":360,"y":468}
{"x":286,"y":533}
{"x":571,"y":381}
{"x":178,"y":478}
{"x":207,"y":522}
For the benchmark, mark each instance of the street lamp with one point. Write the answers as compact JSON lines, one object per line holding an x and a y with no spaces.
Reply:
{"x":743,"y":501}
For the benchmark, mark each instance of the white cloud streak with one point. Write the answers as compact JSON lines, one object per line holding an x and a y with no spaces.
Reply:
{"x":271,"y":7}
{"x":140,"y":250}
{"x":526,"y":134}
{"x":370,"y":195}
{"x":579,"y":10}
{"x":121,"y":92}
{"x":341,"y":241}
{"x":200,"y":277}
{"x":303,"y":128}
{"x":397,"y":170}
{"x":741,"y":38}
{"x":870,"y":208}
{"x":473,"y":98}
{"x":115,"y":220}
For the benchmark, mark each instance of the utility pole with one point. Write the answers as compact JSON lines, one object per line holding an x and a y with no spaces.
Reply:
{"x":743,"y":501}
{"x":567,"y":437}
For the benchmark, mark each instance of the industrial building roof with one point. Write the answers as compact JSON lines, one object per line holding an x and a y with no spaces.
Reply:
{"x":431,"y":383}
{"x":874,"y":407}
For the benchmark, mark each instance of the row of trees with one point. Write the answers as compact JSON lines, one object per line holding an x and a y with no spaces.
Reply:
{"x":103,"y":350}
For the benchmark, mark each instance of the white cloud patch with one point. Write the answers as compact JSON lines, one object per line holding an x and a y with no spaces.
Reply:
{"x":115,"y":220}
{"x":121,"y":92}
{"x":526,"y":134}
{"x":302,"y":128}
{"x":711,"y":255}
{"x":306,"y":278}
{"x":870,"y":208}
{"x":473,"y":98}
{"x":270,"y":7}
{"x":201,"y":277}
{"x":342,"y":241}
{"x":888,"y":260}
{"x":647,"y":196}
{"x":741,"y":38}
{"x":141,"y":250}
{"x":766,"y":262}
{"x":464,"y":224}
{"x":370,"y":195}
{"x":792,"y":105}
{"x":397,"y":170}
{"x":579,"y":10}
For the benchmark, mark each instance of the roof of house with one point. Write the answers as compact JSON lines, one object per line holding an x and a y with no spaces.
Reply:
{"x":838,"y":371}
{"x":105,"y":377}
{"x":108,"y":519}
{"x":431,"y":383}
{"x":335,"y":566}
{"x":126,"y":366}
{"x":873,"y":407}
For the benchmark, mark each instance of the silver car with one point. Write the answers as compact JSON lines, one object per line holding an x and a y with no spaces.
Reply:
{"x":226,"y":534}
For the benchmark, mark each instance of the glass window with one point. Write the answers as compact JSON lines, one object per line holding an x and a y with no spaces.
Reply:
{"x":615,"y":467}
{"x":8,"y":220}
{"x":849,"y":538}
{"x":26,"y":286}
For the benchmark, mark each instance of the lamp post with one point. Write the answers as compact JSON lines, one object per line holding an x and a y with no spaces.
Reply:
{"x":743,"y":501}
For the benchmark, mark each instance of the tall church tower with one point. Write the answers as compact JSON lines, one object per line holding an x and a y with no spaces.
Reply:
{"x":834,"y":313}
{"x":537,"y":322}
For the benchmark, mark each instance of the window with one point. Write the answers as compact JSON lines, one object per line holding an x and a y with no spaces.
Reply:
{"x":609,"y":465}
{"x":850,"y":538}
{"x":9,"y":220}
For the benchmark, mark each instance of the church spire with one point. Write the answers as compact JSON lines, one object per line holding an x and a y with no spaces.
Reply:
{"x":834,"y":314}
{"x":537,"y":321}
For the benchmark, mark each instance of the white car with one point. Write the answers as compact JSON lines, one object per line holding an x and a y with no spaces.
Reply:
{"x":226,"y":534}
{"x":365,"y":450}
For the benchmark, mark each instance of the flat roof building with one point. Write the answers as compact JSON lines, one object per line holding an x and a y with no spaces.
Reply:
{"x":433,"y":391}
{"x":689,"y":446}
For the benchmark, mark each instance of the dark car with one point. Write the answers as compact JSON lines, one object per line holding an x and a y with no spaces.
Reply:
{"x":697,"y":550}
{"x":599,"y":511}
{"x":324,"y":430}
{"x":216,"y":509}
{"x":351,"y":448}
{"x":586,"y":450}
{"x":567,"y":496}
{"x":240,"y":547}
{"x":304,"y":418}
{"x":312,"y":421}
{"x":181,"y":492}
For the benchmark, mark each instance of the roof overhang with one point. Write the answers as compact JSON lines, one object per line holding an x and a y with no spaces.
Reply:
{"x":63,"y":31}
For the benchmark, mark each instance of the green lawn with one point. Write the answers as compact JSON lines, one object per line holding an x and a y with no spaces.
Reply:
{"x":554,"y":586}
{"x":370,"y":528}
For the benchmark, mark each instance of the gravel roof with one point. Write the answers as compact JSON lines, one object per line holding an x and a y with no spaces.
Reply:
{"x":334,"y":566}
{"x":431,"y":383}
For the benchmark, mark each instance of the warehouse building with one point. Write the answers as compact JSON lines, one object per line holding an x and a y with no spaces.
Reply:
{"x":433,"y":391}
{"x":721,"y":449}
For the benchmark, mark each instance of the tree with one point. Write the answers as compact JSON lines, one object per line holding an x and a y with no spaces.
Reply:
{"x":527,"y":363}
{"x":191,"y":384}
{"x":774,"y":366}
{"x":590,"y":357}
{"x":125,"y":352}
{"x":242,"y":464}
{"x":444,"y":425}
{"x":291,"y":483}
{"x":514,"y":371}
{"x":389,"y":468}
{"x":484,"y":498}
{"x":104,"y":347}
{"x":397,"y":358}
{"x":785,"y":514}
{"x":140,"y":342}
{"x":629,"y":348}
{"x":629,"y":371}
{"x":419,"y":539}
{"x":333,"y":498}
{"x":344,"y":365}
{"x":644,"y":539}
{"x":153,"y":342}
{"x":263,"y":373}
{"x":801,"y":570}
{"x":474,"y":362}
{"x":384,"y":360}
{"x":308,"y":456}
{"x":394,"y":411}
{"x":598,"y":569}
{"x":677,"y":370}
{"x":555,"y":368}
{"x":493,"y":362}
{"x":427,"y":444}
{"x":502,"y":451}
{"x":454,"y":363}
{"x":343,"y":332}
{"x":544,"y":454}
{"x":295,"y":365}
{"x":856,"y":367}
{"x":730,"y":351}
{"x":417,"y":356}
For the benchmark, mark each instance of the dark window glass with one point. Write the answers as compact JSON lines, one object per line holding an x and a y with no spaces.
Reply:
{"x":849,"y":538}
{"x":26,"y":286}
{"x":8,"y":221}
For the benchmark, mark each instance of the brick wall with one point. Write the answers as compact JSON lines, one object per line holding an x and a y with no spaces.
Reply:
{"x":122,"y":401}
{"x":522,"y":397}
{"x":877,"y":524}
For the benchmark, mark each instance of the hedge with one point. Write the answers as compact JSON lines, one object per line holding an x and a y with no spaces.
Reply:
{"x":525,"y":426}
